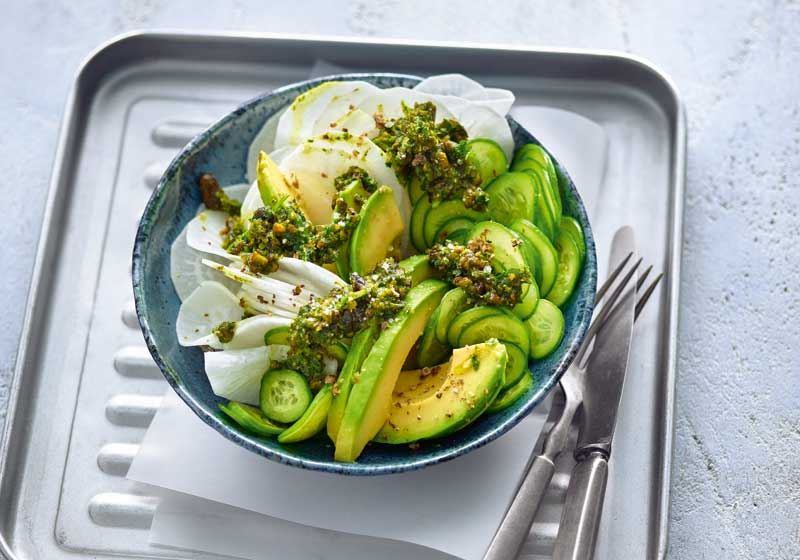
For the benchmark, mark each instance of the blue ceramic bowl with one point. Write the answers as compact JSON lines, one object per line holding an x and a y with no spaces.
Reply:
{"x":222,"y":150}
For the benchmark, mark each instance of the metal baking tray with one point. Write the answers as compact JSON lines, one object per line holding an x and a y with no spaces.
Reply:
{"x":85,"y":388}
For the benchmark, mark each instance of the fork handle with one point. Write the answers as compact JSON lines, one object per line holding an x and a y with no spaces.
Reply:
{"x":516,"y":523}
{"x":577,"y":532}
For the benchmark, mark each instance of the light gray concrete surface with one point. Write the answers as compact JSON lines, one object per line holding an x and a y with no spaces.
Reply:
{"x":736,"y":489}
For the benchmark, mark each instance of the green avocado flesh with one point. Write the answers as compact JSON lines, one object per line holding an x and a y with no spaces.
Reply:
{"x":313,"y":419}
{"x":371,"y":393}
{"x":418,"y":268}
{"x":380,"y":225}
{"x":433,"y":402}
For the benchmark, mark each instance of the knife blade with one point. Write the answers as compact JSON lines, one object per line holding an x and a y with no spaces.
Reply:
{"x":604,"y":382}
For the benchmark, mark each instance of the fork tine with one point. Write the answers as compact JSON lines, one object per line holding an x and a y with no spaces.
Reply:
{"x":608,"y":305}
{"x":646,"y":296}
{"x":643,"y":277}
{"x":611,"y":277}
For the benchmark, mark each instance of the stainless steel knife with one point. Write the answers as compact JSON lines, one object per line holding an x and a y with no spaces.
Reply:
{"x":606,"y":367}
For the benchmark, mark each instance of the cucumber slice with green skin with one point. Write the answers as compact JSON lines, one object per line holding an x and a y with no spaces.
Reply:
{"x":338,"y":351}
{"x":517,"y":364}
{"x":530,"y":300}
{"x":572,"y":227}
{"x":430,"y":351}
{"x":313,"y":419}
{"x":454,"y":229}
{"x":284,"y":395}
{"x":546,"y":329}
{"x":512,"y":195}
{"x":466,"y":318}
{"x":278,"y":335}
{"x":548,"y":256}
{"x":512,"y":394}
{"x":551,"y":199}
{"x":569,"y":269}
{"x":359,"y":348}
{"x":415,"y":191}
{"x":505,"y":326}
{"x":417,"y":223}
{"x":452,"y":304}
{"x":380,"y":224}
{"x":441,"y":213}
{"x":535,"y":154}
{"x":250,"y":419}
{"x":488,"y":157}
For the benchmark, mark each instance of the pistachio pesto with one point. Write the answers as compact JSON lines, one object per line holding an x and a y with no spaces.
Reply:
{"x":225,"y":331}
{"x":375,"y":298}
{"x":470,"y":268}
{"x":432,"y":155}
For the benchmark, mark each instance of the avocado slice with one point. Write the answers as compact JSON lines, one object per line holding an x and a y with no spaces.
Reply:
{"x":272,"y":185}
{"x":354,"y":195}
{"x":418,"y":267}
{"x":360,"y":347}
{"x":377,"y":230}
{"x":313,"y":419}
{"x":371,"y":394}
{"x":433,"y":402}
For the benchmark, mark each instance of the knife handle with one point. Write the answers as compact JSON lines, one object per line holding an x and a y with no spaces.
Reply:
{"x":577,"y":532}
{"x":516,"y":523}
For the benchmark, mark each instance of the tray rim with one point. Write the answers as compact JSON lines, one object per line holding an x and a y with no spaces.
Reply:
{"x":70,"y":134}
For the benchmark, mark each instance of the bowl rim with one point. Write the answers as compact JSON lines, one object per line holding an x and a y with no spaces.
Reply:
{"x":358,"y":469}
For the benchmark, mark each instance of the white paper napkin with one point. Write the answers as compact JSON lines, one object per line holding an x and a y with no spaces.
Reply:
{"x":449,"y":509}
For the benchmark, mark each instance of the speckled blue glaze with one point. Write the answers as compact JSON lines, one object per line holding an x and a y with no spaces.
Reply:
{"x":222,"y":150}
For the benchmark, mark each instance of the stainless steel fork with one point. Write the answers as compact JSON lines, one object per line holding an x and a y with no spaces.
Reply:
{"x":516,"y":523}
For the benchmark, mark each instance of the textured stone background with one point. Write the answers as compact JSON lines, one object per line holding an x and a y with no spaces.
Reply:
{"x":736,"y":489}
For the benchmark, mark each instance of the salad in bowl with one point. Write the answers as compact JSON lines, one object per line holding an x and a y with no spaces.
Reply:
{"x":367,"y":273}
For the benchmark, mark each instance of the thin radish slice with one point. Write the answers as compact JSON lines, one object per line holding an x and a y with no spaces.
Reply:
{"x":236,"y":374}
{"x":203,"y":233}
{"x":256,"y":302}
{"x":252,"y":202}
{"x":187,"y":272}
{"x":482,"y":122}
{"x":208,"y":306}
{"x":323,"y":280}
{"x":446,"y":87}
{"x":390,"y":103}
{"x":264,"y":141}
{"x":249,"y":333}
{"x":329,"y":100}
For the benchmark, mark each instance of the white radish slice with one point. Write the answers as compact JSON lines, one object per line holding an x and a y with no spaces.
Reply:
{"x":447,"y":86}
{"x":256,"y":301}
{"x":237,"y":191}
{"x":236,"y":374}
{"x":252,"y":202}
{"x":278,"y":154}
{"x":273,"y":292}
{"x":355,"y":122}
{"x":186,"y":270}
{"x":208,"y":306}
{"x":203,"y":233}
{"x":322,"y":279}
{"x":390,"y":103}
{"x":297,"y":122}
{"x":330,"y":366}
{"x":316,"y":164}
{"x":482,"y":122}
{"x":264,"y":141}
{"x":249,"y":333}
{"x":339,"y":112}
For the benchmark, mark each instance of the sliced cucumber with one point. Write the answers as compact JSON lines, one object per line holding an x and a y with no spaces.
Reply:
{"x":466,"y":318}
{"x":430,"y":351}
{"x":517,"y":363}
{"x":313,"y":419}
{"x":512,"y":394}
{"x":530,"y":300}
{"x":338,"y":351}
{"x":572,"y":227}
{"x":380,"y":224}
{"x":569,"y":269}
{"x":415,"y":191}
{"x":251,"y":419}
{"x":547,"y":254}
{"x":534,"y":155}
{"x":511,"y":251}
{"x":546,"y":329}
{"x":488,"y":157}
{"x":549,"y":195}
{"x":512,"y":195}
{"x":416,"y":226}
{"x":284,"y":395}
{"x":277,"y":335}
{"x":442,"y":212}
{"x":505,"y":326}
{"x":456,"y":230}
{"x":453,"y":303}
